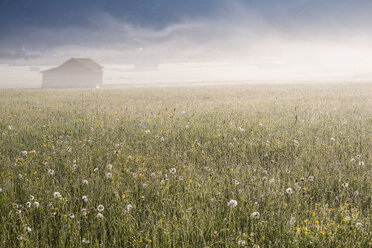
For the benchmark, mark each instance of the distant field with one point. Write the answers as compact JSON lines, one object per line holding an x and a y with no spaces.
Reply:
{"x":223,"y":166}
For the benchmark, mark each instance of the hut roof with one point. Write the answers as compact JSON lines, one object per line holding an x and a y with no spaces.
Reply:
{"x":79,"y":62}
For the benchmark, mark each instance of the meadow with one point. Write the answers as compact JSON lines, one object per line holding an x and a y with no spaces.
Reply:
{"x":215,"y":166}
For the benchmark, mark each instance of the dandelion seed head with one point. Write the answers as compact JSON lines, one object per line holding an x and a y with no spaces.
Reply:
{"x":232,"y":203}
{"x":85,"y":198}
{"x":241,"y":242}
{"x":255,"y":215}
{"x":100,"y":208}
{"x":57,"y":195}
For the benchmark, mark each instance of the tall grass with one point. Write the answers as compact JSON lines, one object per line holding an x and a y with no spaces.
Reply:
{"x":165,"y":163}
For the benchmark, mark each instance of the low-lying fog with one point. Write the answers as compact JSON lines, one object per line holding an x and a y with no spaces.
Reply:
{"x":299,"y":41}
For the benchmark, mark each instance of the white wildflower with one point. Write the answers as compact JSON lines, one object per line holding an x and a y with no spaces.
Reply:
{"x":358,"y":225}
{"x":72,"y":216}
{"x":108,"y":175}
{"x":345,"y":185}
{"x":51,"y":172}
{"x":173,"y":170}
{"x":85,"y":241}
{"x":32,"y":197}
{"x":28,"y":204}
{"x":85,"y":182}
{"x":28,"y":229}
{"x":129,"y":207}
{"x":109,"y":166}
{"x":296,"y":143}
{"x":352,"y":160}
{"x":311,"y":178}
{"x":36,"y":204}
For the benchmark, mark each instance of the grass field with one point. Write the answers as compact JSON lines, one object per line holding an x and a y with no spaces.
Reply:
{"x":222,"y":166}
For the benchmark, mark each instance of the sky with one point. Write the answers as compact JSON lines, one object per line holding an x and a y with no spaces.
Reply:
{"x":280,"y":32}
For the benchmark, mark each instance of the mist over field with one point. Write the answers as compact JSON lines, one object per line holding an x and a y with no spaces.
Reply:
{"x":186,"y":123}
{"x":192,"y":42}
